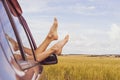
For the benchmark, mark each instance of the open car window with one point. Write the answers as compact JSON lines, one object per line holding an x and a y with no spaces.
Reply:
{"x":17,"y":12}
{"x":4,"y":23}
{"x":12,"y":39}
{"x":19,"y":36}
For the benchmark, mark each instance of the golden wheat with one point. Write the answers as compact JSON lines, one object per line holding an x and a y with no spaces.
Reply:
{"x":83,"y":68}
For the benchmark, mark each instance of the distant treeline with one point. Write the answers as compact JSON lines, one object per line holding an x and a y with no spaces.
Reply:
{"x":89,"y":55}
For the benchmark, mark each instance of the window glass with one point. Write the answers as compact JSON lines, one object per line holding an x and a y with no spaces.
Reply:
{"x":6,"y":60}
{"x":23,"y":36}
{"x":5,"y":68}
{"x":2,"y":35}
{"x":11,"y":38}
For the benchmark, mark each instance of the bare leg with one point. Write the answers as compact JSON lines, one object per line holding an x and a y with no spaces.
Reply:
{"x":57,"y":49}
{"x":59,"y":45}
{"x":52,"y":35}
{"x":13,"y":42}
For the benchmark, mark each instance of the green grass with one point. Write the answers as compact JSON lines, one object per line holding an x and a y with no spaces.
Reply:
{"x":83,"y":68}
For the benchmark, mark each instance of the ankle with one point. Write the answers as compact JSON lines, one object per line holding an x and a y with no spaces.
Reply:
{"x":52,"y":37}
{"x":55,"y":49}
{"x":49,"y":38}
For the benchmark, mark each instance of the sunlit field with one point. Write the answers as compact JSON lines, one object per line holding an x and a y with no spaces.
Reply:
{"x":83,"y":68}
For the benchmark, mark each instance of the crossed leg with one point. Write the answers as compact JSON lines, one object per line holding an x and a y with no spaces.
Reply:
{"x":56,"y":48}
{"x":52,"y":35}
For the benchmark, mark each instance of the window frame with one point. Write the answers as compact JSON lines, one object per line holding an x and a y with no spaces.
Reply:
{"x":28,"y":34}
{"x":13,"y":25}
{"x":18,"y":38}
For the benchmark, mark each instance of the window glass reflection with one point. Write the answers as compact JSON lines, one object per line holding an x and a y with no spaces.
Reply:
{"x":4,"y":22}
{"x":5,"y":68}
{"x":8,"y":36}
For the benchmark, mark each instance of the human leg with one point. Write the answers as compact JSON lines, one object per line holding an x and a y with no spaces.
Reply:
{"x":56,"y":48}
{"x":13,"y":42}
{"x":52,"y":35}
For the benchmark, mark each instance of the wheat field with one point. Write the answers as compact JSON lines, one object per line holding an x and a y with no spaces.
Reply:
{"x":77,"y":67}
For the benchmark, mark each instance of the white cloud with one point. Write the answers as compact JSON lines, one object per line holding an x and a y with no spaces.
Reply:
{"x":30,"y":6}
{"x":115,"y":32}
{"x":43,"y":6}
{"x":82,"y":9}
{"x":94,"y":41}
{"x":85,"y":39}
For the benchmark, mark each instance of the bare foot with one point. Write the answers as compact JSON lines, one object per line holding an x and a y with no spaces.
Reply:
{"x":13,"y":42}
{"x":59,"y":45}
{"x":53,"y":31}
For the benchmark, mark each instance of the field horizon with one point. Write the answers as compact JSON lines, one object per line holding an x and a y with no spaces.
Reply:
{"x":83,"y":67}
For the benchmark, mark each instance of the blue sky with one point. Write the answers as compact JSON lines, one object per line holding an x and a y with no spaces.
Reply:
{"x":93,"y":25}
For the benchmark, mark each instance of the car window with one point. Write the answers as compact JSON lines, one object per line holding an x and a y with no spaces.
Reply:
{"x":5,"y":68}
{"x":11,"y":38}
{"x":2,"y":35}
{"x":6,"y":55}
